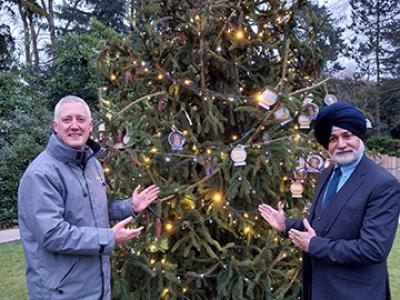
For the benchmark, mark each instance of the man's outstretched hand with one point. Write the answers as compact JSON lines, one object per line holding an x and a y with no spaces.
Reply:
{"x":122,"y":234}
{"x":141,"y":200}
{"x":275,"y":217}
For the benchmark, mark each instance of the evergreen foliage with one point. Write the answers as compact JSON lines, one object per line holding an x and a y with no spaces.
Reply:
{"x":373,"y":22}
{"x":74,"y":69}
{"x":198,"y":67}
{"x":25,"y":124}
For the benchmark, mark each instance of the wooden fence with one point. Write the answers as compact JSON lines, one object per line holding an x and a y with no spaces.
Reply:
{"x":390,"y":163}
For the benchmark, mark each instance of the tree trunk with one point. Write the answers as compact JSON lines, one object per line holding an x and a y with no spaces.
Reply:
{"x":27,"y":42}
{"x":35,"y":50}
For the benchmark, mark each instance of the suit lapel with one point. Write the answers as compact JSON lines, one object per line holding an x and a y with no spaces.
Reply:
{"x":318,"y":191}
{"x":330,"y":213}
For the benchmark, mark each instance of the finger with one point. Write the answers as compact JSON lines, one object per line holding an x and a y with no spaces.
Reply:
{"x":153,"y":193}
{"x":151,"y":189}
{"x":280,"y":206}
{"x":264,"y":208}
{"x":136,"y":190}
{"x":307,"y":225}
{"x":124,"y":222}
{"x":135,"y":232}
{"x":295,"y":233}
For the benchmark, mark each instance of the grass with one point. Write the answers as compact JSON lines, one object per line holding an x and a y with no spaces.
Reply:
{"x":394,"y":267}
{"x":12,"y":270}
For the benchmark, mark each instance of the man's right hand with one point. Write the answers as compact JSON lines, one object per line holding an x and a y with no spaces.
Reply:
{"x":275,"y":218}
{"x":122,"y":234}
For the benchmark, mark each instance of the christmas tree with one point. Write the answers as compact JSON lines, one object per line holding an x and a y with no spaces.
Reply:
{"x":206,"y":99}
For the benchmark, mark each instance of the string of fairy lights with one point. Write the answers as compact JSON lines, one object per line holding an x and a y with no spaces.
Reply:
{"x":239,"y":34}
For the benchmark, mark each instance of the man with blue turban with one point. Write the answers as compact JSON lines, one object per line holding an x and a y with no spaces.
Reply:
{"x":349,"y":231}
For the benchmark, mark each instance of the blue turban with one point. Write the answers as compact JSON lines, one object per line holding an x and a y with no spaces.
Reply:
{"x":341,"y":115}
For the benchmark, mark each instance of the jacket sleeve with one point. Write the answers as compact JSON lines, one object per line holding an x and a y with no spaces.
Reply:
{"x":41,"y":207}
{"x":377,"y":231}
{"x":293,"y":223}
{"x":121,"y":209}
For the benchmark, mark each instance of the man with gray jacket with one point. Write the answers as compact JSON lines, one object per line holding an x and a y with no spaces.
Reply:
{"x":64,"y":216}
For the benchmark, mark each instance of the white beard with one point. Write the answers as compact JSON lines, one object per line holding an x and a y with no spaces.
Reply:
{"x":349,"y":155}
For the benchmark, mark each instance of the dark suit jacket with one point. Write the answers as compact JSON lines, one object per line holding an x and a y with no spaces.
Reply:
{"x":355,"y":232}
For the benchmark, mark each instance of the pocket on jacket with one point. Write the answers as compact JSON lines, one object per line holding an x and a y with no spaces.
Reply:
{"x":67,"y":274}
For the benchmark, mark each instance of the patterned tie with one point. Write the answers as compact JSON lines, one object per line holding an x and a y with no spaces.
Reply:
{"x":332,"y":187}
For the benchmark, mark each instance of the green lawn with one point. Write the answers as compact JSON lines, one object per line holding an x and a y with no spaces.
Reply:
{"x":12,"y":270}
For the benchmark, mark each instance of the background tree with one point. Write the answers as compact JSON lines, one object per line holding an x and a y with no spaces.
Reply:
{"x":76,"y":15}
{"x":372,"y":22}
{"x":25,"y":124}
{"x":7,"y":47}
{"x":195,"y":71}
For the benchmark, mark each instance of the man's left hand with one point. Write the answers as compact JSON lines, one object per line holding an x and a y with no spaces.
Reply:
{"x":302,"y":238}
{"x":141,"y":200}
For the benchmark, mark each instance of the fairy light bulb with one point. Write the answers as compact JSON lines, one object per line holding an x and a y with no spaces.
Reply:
{"x":152,"y":261}
{"x":247,"y":230}
{"x":169,"y":226}
{"x":113,"y":77}
{"x":187,"y":82}
{"x":217,"y":197}
{"x":164,"y":292}
{"x":239,"y":35}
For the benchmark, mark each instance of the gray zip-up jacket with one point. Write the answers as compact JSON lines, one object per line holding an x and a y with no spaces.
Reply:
{"x":63,"y":220}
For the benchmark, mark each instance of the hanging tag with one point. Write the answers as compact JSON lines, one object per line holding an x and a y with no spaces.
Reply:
{"x":239,"y":155}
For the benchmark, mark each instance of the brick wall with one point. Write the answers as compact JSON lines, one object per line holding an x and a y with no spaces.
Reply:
{"x":390,"y":163}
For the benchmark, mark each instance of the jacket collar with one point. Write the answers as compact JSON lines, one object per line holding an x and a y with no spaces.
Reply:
{"x":61,"y":151}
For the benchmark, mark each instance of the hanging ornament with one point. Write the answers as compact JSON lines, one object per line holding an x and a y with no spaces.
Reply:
{"x":304,"y":122}
{"x":160,"y":105}
{"x":208,"y":166}
{"x":239,"y":155}
{"x":300,"y":172}
{"x":330,"y":99}
{"x":314,"y":164}
{"x":296,"y":188}
{"x":267,"y":98}
{"x":122,"y":139}
{"x":157,"y":228}
{"x":311,"y":110}
{"x":283,"y":115}
{"x":125,"y":139}
{"x":308,"y":99}
{"x":176,"y":139}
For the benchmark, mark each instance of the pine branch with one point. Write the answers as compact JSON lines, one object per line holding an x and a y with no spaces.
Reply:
{"x":228,"y":20}
{"x":279,"y":86}
{"x":138,"y":100}
{"x":190,"y":187}
{"x":309,"y":88}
